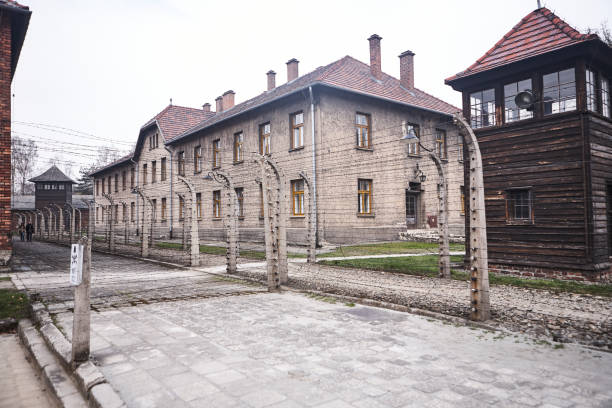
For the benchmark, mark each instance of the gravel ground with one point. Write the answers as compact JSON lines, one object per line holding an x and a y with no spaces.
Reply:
{"x":562,"y":317}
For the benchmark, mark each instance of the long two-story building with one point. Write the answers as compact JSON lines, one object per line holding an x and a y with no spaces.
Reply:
{"x":341,"y":124}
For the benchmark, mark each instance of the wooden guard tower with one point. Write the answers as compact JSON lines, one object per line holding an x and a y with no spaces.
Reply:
{"x":539,"y":102}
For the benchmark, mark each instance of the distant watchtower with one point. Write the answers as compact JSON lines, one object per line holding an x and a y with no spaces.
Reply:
{"x":52,"y":187}
{"x":539,"y":103}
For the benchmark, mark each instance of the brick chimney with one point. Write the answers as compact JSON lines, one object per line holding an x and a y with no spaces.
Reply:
{"x":271,"y":79}
{"x":292,"y":69}
{"x":375,"y":67}
{"x":206,"y":107}
{"x":407,"y":69}
{"x":228,"y":100}
{"x":219,"y":100}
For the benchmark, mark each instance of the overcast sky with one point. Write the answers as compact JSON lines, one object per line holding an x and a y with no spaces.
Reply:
{"x":106,"y":67}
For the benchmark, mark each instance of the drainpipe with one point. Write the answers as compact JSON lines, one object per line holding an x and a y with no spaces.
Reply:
{"x":314,"y":166}
{"x":171,"y":194}
{"x":137,"y":184}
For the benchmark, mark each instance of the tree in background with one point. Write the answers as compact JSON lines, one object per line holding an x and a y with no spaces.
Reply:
{"x":23,"y":159}
{"x":84,"y":182}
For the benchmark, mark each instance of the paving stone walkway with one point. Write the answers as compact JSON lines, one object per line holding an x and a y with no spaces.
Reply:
{"x":289,"y":350}
{"x":20,"y":384}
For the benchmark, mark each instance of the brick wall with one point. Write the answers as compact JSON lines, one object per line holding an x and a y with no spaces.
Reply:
{"x":5,"y":137}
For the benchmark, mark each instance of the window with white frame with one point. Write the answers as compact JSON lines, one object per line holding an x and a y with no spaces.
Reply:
{"x":559,"y":91}
{"x":482,"y":108}
{"x":512,"y":112}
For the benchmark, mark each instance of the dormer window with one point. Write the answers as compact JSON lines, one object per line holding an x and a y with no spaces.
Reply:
{"x":482,"y":108}
{"x":559,"y":91}
{"x":512,"y":113}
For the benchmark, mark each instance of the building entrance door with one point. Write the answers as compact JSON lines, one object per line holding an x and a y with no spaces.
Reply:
{"x":411,"y":208}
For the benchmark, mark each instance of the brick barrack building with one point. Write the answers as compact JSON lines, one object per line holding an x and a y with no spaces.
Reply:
{"x":341,"y":124}
{"x":14,"y":20}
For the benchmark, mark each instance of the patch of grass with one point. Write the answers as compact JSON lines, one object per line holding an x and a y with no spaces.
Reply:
{"x":558,"y":346}
{"x":13,"y":304}
{"x":427,"y":265}
{"x":5,"y":278}
{"x":349,"y":304}
{"x":327,"y":299}
{"x":399,"y":247}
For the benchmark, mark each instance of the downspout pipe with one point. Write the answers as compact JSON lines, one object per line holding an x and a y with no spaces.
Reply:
{"x":314,"y":167}
{"x":171,"y":193}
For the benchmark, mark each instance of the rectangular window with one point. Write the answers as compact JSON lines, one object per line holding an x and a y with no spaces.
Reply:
{"x":362,"y":130}
{"x":519,"y":205}
{"x":97,"y":214}
{"x":162,"y":176}
{"x":97,"y":187}
{"x":116,"y":183}
{"x":197,"y":159}
{"x":264,"y":138}
{"x":559,"y":91}
{"x":217,"y":204}
{"x":482,"y":108}
{"x":61,"y":187}
{"x":132,"y":177}
{"x":154,"y":209}
{"x":297,"y":130}
{"x":297,"y":195}
{"x":132,"y":212}
{"x":605,"y":97}
{"x":181,"y":164}
{"x":199,"y":205}
{"x":238,"y":142}
{"x":511,"y":111}
{"x":216,"y":158}
{"x":181,"y":208}
{"x":103,"y":211}
{"x":123,"y":180}
{"x":116,"y":213}
{"x":441,"y":143}
{"x":240,"y":202}
{"x":591,"y":94}
{"x":153,"y":171}
{"x":413,"y":145}
{"x":144,"y":174}
{"x":462,"y":190}
{"x":108,"y":186}
{"x":124,"y":212}
{"x":364,"y":197}
{"x":163,"y":209}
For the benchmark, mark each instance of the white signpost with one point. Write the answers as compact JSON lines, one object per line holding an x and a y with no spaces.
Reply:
{"x":76,"y":264}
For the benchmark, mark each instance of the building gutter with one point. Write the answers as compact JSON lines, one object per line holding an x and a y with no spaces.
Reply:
{"x":137,"y":184}
{"x":314,"y":166}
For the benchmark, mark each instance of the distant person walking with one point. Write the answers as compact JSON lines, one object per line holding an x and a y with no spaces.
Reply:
{"x":21,"y":232}
{"x":29,"y":231}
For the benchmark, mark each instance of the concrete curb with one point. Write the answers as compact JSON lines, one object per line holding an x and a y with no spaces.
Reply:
{"x":89,"y":381}
{"x":63,"y":389}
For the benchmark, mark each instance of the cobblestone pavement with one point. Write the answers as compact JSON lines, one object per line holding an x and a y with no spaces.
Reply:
{"x":43,"y":270}
{"x":20,"y":386}
{"x":289,"y":350}
{"x":561,"y":317}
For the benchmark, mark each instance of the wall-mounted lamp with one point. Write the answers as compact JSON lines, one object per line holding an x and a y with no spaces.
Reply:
{"x":418,"y":173}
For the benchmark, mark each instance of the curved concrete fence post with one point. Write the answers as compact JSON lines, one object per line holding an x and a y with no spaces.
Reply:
{"x":194,"y":232}
{"x":443,"y":240}
{"x":477,"y":245}
{"x":310,"y":216}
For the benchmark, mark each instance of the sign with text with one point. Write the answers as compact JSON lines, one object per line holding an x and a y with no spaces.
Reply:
{"x":76,"y":264}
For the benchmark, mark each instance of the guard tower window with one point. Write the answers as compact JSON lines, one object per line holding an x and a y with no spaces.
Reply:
{"x":511,"y":111}
{"x":559,"y":91}
{"x":605,"y":97}
{"x":482,"y":108}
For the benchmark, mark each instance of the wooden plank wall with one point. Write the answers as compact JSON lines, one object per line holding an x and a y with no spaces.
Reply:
{"x":600,"y":137}
{"x":547,"y":156}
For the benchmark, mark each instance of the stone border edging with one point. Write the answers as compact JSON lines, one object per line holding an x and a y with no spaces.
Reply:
{"x":91,"y":384}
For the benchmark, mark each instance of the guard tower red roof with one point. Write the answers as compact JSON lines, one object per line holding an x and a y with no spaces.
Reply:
{"x":539,"y":32}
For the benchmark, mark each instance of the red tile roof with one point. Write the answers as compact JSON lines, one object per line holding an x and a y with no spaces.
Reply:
{"x":348,"y":74}
{"x":13,"y":4}
{"x":539,"y":32}
{"x":174,"y":120}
